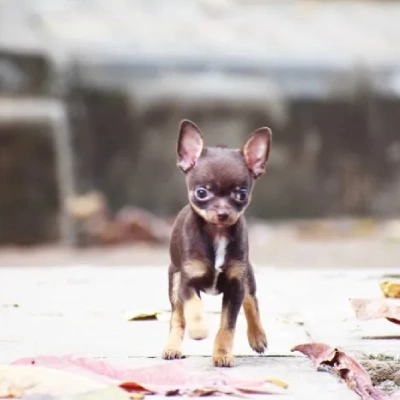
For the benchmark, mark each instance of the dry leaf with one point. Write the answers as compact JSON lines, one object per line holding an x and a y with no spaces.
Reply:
{"x":345,"y":366}
{"x":390,"y":289}
{"x":22,"y":380}
{"x":172,"y":378}
{"x":142,"y":315}
{"x":111,"y":393}
{"x":377,"y":308}
{"x":278,"y":382}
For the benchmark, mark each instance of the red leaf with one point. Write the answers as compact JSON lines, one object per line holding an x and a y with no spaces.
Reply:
{"x":356,"y":377}
{"x":170,"y":378}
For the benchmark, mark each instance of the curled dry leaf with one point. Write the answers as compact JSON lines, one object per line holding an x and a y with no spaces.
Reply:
{"x":390,"y":289}
{"x":172,"y":378}
{"x":377,"y":308}
{"x":345,"y":366}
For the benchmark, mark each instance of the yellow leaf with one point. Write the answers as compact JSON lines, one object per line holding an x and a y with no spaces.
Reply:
{"x":390,"y":289}
{"x":142,"y":315}
{"x":278,"y":382}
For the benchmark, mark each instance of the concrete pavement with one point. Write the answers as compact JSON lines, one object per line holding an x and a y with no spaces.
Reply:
{"x":82,"y":309}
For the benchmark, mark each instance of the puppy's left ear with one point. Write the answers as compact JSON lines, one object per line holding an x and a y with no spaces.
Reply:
{"x":256,"y":150}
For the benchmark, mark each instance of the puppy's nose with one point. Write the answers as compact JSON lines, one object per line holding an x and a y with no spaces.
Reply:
{"x":222,"y":215}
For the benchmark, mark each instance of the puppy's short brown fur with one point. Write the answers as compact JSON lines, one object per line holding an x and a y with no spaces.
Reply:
{"x":209,"y":243}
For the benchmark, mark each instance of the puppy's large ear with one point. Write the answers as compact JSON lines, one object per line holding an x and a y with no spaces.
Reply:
{"x":256,"y":150}
{"x":190,"y":145}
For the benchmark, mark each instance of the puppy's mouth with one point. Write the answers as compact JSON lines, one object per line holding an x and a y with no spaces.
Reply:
{"x":220,"y":220}
{"x":221,"y":224}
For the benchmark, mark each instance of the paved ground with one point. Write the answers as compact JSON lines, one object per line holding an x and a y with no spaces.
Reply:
{"x":82,"y":309}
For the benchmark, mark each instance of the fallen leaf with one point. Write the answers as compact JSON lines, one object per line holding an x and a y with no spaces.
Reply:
{"x":390,"y":289}
{"x":10,"y":305}
{"x":366,"y":309}
{"x":345,"y":366}
{"x":22,"y":380}
{"x":278,"y":382}
{"x":142,"y":315}
{"x":111,"y":393}
{"x":172,"y":378}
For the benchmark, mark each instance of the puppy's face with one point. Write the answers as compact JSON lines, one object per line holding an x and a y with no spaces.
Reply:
{"x":220,"y":186}
{"x":220,"y":180}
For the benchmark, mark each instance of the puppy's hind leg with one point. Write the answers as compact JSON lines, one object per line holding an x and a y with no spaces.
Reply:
{"x":177,"y":322}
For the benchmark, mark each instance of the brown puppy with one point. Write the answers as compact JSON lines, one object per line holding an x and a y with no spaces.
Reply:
{"x":209,"y":244}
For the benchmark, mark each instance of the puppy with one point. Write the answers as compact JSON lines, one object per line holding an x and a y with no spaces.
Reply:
{"x":209,"y":243}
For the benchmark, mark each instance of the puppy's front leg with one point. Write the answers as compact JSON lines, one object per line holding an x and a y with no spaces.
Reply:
{"x":192,"y":305}
{"x":231,"y":302}
{"x":255,"y":331}
{"x":177,"y":322}
{"x":194,"y":313}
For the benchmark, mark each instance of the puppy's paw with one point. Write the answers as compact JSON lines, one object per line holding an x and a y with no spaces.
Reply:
{"x":257,"y":340}
{"x":223,"y":360}
{"x":171,"y":354}
{"x":197,"y":329}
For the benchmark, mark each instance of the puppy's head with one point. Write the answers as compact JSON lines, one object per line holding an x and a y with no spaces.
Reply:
{"x":220,"y":180}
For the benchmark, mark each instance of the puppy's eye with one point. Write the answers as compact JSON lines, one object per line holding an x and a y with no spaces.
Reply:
{"x":240,"y":195}
{"x":201,"y":194}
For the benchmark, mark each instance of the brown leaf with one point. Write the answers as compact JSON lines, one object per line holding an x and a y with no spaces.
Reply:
{"x":377,"y":308}
{"x":390,"y":289}
{"x":345,"y":366}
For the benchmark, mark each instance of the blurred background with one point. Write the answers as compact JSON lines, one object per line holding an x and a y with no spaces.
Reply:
{"x":92,"y":93}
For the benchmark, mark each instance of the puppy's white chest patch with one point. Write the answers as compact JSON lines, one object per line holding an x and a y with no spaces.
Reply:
{"x":220,"y":245}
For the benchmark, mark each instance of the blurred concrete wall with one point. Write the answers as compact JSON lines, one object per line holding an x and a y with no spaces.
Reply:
{"x":329,"y":158}
{"x":323,"y":75}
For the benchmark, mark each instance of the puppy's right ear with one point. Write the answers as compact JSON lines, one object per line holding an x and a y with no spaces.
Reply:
{"x":190,"y":145}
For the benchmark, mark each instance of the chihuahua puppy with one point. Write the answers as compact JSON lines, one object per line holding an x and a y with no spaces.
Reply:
{"x":209,"y":243}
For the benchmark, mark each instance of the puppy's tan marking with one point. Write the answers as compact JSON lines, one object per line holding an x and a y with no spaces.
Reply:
{"x":195,"y":317}
{"x":235,"y":270}
{"x":177,"y":330}
{"x":194,"y":269}
{"x":255,"y":332}
{"x":176,"y":283}
{"x":223,"y":344}
{"x":199,"y":211}
{"x":177,"y":323}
